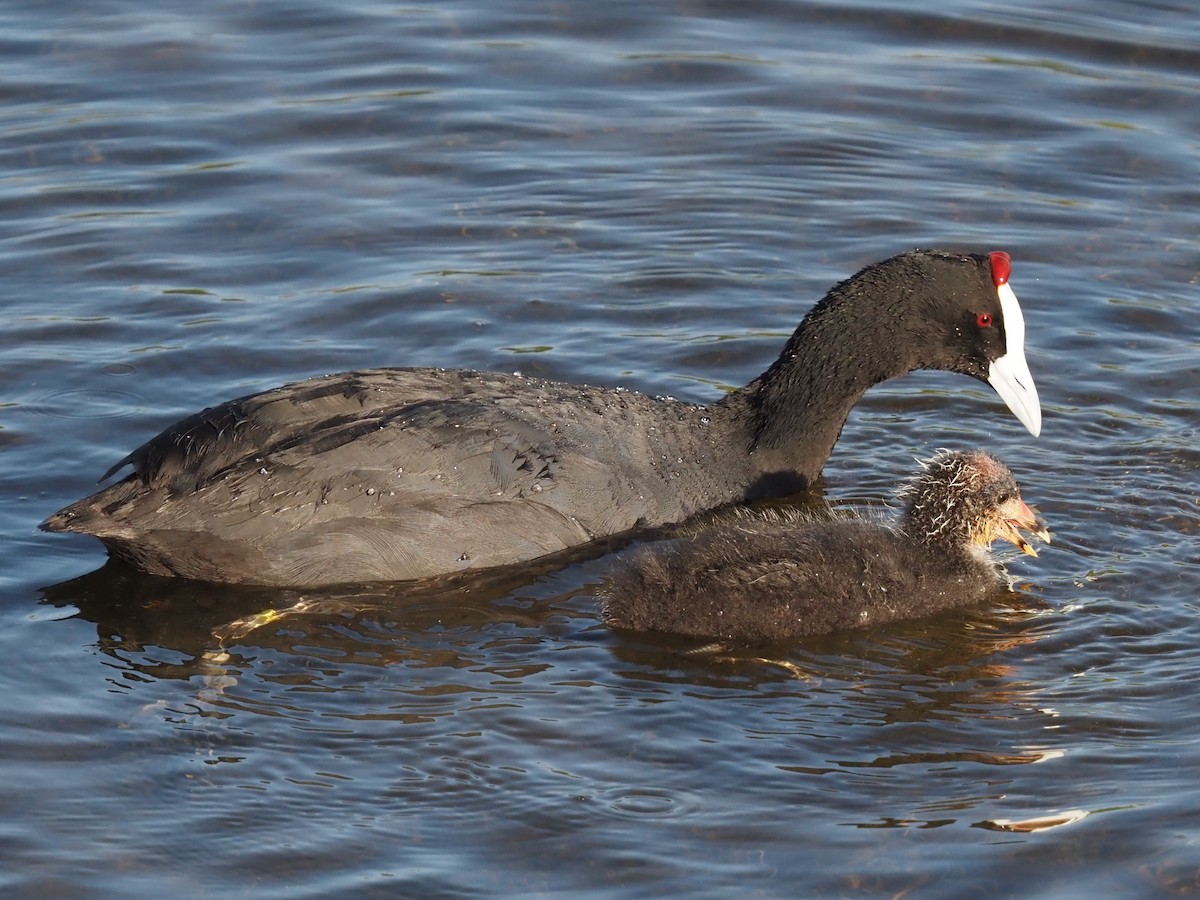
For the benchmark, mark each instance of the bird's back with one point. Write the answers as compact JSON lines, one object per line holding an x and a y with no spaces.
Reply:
{"x":391,"y":474}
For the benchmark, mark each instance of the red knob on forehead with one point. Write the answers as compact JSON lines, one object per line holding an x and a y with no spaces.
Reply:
{"x":1001,"y":267}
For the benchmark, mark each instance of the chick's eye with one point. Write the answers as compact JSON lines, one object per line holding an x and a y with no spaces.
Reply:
{"x":984,"y":320}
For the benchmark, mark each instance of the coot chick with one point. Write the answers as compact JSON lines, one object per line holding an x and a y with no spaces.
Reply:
{"x":395,"y":474}
{"x":769,"y":576}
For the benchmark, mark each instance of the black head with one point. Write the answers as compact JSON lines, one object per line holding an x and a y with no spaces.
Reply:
{"x":957,"y":312}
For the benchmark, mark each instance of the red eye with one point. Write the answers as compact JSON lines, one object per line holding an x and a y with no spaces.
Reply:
{"x":1001,"y":267}
{"x":984,"y":320}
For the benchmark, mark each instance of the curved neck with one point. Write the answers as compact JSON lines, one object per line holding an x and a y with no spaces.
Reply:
{"x":800,"y":404}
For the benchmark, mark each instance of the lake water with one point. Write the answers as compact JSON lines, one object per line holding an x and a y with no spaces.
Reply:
{"x":202,"y":200}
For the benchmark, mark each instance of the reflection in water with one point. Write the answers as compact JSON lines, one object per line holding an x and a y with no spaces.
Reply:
{"x":133,"y":611}
{"x":133,"y":608}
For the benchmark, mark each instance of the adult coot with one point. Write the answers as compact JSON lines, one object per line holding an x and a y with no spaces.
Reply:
{"x":769,"y":576}
{"x":392,"y":474}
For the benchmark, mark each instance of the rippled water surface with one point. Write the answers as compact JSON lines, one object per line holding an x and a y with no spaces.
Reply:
{"x":202,"y":200}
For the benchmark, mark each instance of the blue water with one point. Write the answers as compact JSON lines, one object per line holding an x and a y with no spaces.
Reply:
{"x":199,"y":201}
